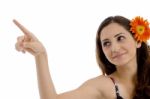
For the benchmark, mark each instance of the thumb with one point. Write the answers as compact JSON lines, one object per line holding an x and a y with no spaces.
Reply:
{"x":33,"y":46}
{"x":28,"y":45}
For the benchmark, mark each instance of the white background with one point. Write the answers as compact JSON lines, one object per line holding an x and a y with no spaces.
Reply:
{"x":67,"y":28}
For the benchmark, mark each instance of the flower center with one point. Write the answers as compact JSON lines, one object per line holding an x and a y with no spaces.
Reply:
{"x":140,"y":29}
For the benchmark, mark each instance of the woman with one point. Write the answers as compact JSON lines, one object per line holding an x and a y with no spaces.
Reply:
{"x":122,"y":55}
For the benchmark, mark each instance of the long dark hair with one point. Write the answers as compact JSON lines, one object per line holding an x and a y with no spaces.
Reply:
{"x":142,"y":86}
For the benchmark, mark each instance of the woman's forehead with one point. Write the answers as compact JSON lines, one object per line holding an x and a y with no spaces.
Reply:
{"x":111,"y":30}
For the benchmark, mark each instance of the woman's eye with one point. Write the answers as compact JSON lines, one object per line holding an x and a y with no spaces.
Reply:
{"x":105,"y":44}
{"x":120,"y":38}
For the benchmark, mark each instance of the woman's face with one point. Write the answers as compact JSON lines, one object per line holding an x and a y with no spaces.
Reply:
{"x":118,"y":44}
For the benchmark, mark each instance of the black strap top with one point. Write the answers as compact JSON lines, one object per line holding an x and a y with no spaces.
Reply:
{"x":116,"y":89}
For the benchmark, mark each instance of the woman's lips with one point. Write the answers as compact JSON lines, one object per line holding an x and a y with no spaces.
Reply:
{"x":117,"y":56}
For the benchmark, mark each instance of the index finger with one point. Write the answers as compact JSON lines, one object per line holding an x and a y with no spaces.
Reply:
{"x":22,"y":28}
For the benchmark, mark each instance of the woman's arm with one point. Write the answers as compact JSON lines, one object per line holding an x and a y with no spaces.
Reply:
{"x":28,"y":42}
{"x":46,"y":87}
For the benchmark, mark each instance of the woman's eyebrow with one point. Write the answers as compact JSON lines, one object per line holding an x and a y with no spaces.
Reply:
{"x":105,"y":40}
{"x":114,"y":36}
{"x":118,"y":34}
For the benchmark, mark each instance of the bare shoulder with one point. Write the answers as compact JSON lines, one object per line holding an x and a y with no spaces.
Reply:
{"x":94,"y":88}
{"x":99,"y":86}
{"x":97,"y":81}
{"x":103,"y":85}
{"x":101,"y":82}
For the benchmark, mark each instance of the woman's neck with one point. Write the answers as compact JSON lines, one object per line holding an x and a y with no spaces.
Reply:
{"x":127,"y":73}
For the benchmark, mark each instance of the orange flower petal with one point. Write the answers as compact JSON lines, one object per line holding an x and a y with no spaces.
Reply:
{"x":140,"y":28}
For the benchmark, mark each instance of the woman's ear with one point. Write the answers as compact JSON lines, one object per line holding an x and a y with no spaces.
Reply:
{"x":138,"y":44}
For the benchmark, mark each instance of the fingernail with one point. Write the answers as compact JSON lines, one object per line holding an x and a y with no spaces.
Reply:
{"x":23,"y":51}
{"x":23,"y":45}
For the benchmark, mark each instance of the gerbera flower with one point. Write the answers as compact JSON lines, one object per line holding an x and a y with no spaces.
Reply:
{"x":140,"y":28}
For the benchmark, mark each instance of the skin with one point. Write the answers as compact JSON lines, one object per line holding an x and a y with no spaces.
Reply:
{"x":100,"y":87}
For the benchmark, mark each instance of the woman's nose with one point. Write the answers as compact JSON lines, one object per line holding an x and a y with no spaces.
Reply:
{"x":115,"y":47}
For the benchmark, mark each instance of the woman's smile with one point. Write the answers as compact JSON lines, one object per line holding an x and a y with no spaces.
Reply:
{"x":118,"y":56}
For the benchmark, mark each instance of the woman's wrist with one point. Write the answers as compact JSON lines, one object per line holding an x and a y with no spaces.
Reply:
{"x":41,"y":54}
